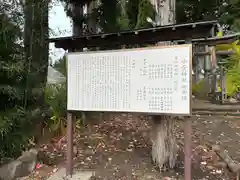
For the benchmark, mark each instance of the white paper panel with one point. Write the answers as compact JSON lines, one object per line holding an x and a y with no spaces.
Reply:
{"x":155,"y":80}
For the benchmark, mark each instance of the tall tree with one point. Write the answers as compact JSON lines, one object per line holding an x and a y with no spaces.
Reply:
{"x":138,"y":11}
{"x":36,"y":47}
{"x":226,"y":11}
{"x":132,"y":7}
{"x":36,"y":50}
{"x":91,"y":21}
{"x":164,"y":148}
{"x":14,"y":125}
{"x":145,"y":10}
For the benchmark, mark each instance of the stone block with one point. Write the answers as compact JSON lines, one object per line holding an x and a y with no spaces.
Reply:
{"x":20,"y":167}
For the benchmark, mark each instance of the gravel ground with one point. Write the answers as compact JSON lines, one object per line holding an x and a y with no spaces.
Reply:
{"x":119,"y":148}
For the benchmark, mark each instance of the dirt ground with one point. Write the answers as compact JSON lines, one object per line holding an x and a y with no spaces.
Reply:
{"x":119,"y":148}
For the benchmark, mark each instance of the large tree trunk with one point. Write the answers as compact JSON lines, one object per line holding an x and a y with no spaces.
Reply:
{"x":36,"y":48}
{"x":164,"y":147}
{"x":165,"y":11}
{"x":77,"y":26}
{"x":36,"y":54}
{"x":92,"y":25}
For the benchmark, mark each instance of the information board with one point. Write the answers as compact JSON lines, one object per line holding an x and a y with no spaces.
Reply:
{"x":150,"y":80}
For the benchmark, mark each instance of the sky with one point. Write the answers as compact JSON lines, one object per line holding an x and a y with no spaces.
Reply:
{"x":61,"y":26}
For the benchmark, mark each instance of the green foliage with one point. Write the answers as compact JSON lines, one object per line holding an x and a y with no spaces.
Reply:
{"x":200,"y":89}
{"x":197,"y":88}
{"x":232,"y":68}
{"x":56,"y":100}
{"x":122,"y":18}
{"x":233,"y":74}
{"x":132,"y":9}
{"x":145,"y":9}
{"x":18,"y":117}
{"x":231,"y":65}
{"x":115,"y":15}
{"x":194,"y":10}
{"x":14,"y":119}
{"x":233,"y":81}
{"x":231,"y":14}
{"x":11,"y":65}
{"x":15,"y":131}
{"x":226,"y":11}
{"x":61,"y":65}
{"x":135,"y":16}
{"x":108,"y":18}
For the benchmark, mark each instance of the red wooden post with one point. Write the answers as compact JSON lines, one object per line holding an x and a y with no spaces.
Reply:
{"x":69,"y":167}
{"x":187,"y":148}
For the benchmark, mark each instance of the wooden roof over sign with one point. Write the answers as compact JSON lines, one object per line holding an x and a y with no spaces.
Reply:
{"x":213,"y":41}
{"x":139,"y":36}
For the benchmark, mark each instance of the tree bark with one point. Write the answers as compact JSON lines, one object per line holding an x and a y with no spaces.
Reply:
{"x":164,"y":146}
{"x":36,"y":47}
{"x":165,"y":11}
{"x":92,"y":25}
{"x":77,"y":12}
{"x":28,"y":36}
{"x":36,"y":55}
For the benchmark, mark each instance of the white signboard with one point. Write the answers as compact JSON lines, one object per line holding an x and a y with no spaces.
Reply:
{"x":152,"y":80}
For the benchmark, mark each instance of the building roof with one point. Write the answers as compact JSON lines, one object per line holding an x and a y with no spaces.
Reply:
{"x":139,"y":36}
{"x":212,"y":41}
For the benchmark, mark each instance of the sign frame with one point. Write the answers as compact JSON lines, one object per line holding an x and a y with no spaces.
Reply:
{"x":145,"y":48}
